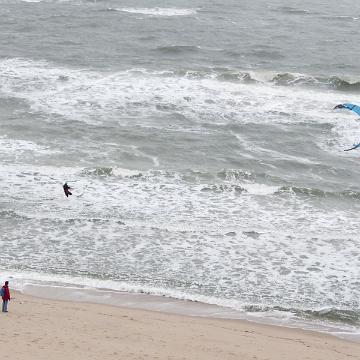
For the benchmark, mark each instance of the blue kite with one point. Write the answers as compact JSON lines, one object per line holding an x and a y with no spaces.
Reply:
{"x":355,"y":109}
{"x":355,"y":146}
{"x":352,"y":107}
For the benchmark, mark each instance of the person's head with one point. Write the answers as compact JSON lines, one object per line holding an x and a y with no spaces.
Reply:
{"x":6,"y":283}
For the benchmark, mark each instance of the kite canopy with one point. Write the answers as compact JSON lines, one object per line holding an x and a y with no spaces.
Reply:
{"x":356,"y":110}
{"x":354,"y":147}
{"x":352,"y":107}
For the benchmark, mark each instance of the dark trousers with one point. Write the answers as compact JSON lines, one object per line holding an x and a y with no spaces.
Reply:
{"x":5,"y":304}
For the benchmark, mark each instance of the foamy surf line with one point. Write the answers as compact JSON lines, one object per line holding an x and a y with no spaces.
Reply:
{"x":76,"y":289}
{"x":158,"y":11}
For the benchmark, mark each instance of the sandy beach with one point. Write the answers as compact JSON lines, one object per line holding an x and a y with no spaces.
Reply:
{"x":36,"y":328}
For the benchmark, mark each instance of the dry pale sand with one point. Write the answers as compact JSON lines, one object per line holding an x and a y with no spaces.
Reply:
{"x":45,"y":329}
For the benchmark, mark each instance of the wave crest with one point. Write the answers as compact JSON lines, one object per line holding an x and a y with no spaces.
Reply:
{"x":159,"y":11}
{"x":331,"y":83}
{"x":318,"y":193}
{"x":346,"y":316}
{"x":101,"y":171}
{"x":279,"y":79}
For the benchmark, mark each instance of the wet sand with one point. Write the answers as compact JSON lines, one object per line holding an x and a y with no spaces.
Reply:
{"x":36,"y":328}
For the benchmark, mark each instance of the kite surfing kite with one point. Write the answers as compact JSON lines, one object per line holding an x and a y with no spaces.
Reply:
{"x":356,"y":110}
{"x":352,"y":107}
{"x":353,"y":148}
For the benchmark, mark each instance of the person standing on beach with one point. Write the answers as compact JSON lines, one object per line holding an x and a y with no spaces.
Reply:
{"x":5,"y":294}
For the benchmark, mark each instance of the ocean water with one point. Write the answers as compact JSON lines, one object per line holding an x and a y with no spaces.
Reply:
{"x":199,"y":138}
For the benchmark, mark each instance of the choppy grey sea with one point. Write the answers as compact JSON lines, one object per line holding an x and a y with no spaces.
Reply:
{"x":199,"y":139}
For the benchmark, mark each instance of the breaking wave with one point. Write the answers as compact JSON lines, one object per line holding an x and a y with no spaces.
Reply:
{"x":326,"y":315}
{"x":159,"y":11}
{"x":279,"y":79}
{"x":331,"y":83}
{"x":225,"y":181}
{"x":102,"y":171}
{"x":200,"y":95}
{"x":318,"y":193}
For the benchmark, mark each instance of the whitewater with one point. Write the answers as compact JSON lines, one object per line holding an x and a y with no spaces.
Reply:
{"x":205,"y":157}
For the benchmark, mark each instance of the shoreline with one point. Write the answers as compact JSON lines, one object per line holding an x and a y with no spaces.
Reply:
{"x":38,"y":328}
{"x":182,"y":307}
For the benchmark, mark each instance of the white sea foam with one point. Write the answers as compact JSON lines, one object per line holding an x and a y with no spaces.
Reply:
{"x":21,"y":147}
{"x":121,"y":294}
{"x":62,"y":91}
{"x":260,"y":189}
{"x":179,"y":217}
{"x":222,"y":240}
{"x":160,"y":11}
{"x":249,"y":199}
{"x":163,"y":235}
{"x":138,"y":95}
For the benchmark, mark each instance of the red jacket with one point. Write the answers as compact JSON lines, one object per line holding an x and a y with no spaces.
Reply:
{"x":6,"y":293}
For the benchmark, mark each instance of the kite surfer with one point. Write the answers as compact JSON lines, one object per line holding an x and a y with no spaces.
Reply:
{"x":67,"y":189}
